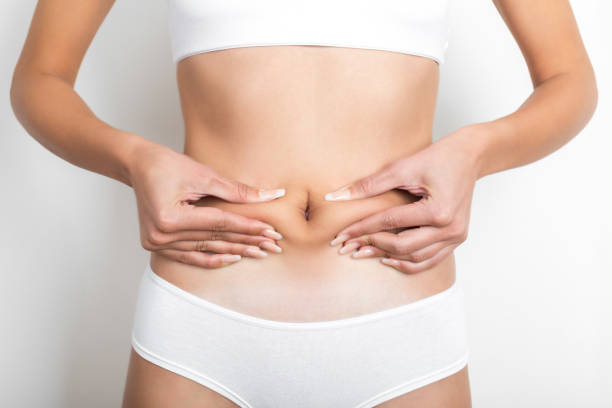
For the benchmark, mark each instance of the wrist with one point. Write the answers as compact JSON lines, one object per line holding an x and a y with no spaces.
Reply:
{"x":127,"y":154}
{"x":477,"y":140}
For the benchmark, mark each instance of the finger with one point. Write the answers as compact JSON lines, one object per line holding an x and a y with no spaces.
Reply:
{"x":221,"y":247}
{"x":377,"y":183}
{"x":271,"y":246}
{"x":201,"y":259}
{"x":237,"y":192}
{"x":368,"y":251}
{"x":408,"y":215}
{"x":423,"y":254}
{"x":416,"y":267}
{"x":195,"y":235}
{"x":345,"y":249}
{"x":403,"y":243}
{"x":213,"y":219}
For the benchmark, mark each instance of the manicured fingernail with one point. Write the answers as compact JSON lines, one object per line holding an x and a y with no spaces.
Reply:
{"x":389,"y":261}
{"x":338,"y":239}
{"x":349,"y":247}
{"x":271,"y":194}
{"x":256,"y":252}
{"x":272,"y":234}
{"x":342,"y":194}
{"x":270,"y":246}
{"x":362,"y":252}
{"x":230,"y":258}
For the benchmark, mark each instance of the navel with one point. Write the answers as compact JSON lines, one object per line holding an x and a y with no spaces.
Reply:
{"x":307,"y":212}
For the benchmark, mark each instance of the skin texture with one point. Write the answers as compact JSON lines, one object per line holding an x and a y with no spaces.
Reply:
{"x":150,"y":386}
{"x":563,"y":101}
{"x":326,"y":118}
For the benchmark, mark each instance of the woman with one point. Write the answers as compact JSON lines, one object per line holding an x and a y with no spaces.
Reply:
{"x":306,"y":123}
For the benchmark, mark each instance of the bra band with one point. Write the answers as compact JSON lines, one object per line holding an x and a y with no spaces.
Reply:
{"x":414,"y":27}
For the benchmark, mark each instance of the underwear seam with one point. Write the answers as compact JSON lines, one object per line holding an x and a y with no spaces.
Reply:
{"x":418,"y":308}
{"x":422,"y":381}
{"x":187,"y":372}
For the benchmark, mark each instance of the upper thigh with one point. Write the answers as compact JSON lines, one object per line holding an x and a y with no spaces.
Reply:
{"x":150,"y":386}
{"x":449,"y":392}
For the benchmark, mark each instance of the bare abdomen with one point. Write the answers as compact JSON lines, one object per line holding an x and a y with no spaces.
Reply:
{"x":307,"y":119}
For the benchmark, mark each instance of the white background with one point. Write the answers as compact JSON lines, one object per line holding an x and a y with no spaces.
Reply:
{"x":536,"y":266}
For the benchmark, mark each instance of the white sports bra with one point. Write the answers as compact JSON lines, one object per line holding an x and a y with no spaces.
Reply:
{"x":417,"y":27}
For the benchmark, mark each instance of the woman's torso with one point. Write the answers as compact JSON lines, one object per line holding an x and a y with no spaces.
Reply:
{"x":309,"y":119}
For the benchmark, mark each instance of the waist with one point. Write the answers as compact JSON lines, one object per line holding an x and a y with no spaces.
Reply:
{"x":310,"y":120}
{"x":307,"y":167}
{"x":309,"y":280}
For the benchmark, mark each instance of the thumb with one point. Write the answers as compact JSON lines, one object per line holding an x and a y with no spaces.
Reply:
{"x":237,"y":192}
{"x":377,"y":183}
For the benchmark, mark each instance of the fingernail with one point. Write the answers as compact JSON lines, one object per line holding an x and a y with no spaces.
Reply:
{"x":342,"y":194}
{"x":272,"y":234}
{"x":390,"y":261}
{"x":362,"y":252}
{"x":230,"y":258}
{"x":349,"y":247}
{"x":338,"y":239}
{"x":271,"y":194}
{"x":256,"y":252}
{"x":270,"y":246}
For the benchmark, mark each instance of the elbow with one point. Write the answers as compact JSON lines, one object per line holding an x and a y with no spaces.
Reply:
{"x":588,"y":79}
{"x":584,"y":94}
{"x":22,"y":99}
{"x":595,"y":98}
{"x":16,"y":93}
{"x":591,"y":90}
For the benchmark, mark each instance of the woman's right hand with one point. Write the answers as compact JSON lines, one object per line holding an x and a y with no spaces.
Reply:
{"x":166,"y":182}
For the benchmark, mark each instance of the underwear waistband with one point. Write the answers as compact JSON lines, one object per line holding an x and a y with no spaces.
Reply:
{"x":415,"y":307}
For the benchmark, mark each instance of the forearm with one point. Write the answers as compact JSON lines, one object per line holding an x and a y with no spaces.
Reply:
{"x":55,"y":115}
{"x":553,"y":114}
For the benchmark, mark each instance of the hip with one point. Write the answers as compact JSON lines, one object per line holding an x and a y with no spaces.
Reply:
{"x":375,"y":357}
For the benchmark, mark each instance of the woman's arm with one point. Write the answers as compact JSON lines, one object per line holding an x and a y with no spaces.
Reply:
{"x":445,"y":172}
{"x":164,"y":181}
{"x":565,"y":90}
{"x":43,"y":97}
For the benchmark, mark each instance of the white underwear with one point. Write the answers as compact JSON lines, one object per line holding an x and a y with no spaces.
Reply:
{"x":356,"y":362}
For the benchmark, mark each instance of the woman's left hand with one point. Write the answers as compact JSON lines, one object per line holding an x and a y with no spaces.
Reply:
{"x":444,"y":175}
